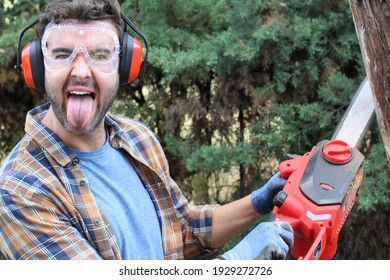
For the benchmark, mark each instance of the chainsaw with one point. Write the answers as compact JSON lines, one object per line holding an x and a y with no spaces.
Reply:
{"x":322,"y":184}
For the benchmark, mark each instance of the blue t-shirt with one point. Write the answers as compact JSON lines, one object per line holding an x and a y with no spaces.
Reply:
{"x":124,"y":201}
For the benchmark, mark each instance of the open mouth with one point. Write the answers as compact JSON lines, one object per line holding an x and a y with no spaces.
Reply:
{"x":82,"y":94}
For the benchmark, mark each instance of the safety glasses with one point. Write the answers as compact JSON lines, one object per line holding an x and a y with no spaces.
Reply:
{"x":97,"y":41}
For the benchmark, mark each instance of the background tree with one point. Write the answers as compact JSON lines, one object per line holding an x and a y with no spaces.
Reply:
{"x":232,"y":88}
{"x":15,"y":98}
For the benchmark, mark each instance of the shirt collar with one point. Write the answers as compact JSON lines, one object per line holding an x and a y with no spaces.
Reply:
{"x":49,"y":141}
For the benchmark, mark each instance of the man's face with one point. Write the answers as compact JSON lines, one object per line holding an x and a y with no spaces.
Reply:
{"x":81,"y":72}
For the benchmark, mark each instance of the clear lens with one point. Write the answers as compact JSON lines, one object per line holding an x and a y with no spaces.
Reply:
{"x":97,"y":41}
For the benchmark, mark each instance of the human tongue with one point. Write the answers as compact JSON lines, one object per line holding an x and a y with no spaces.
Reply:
{"x":79,"y":111}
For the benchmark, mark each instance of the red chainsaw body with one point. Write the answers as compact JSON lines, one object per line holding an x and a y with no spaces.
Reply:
{"x":319,"y":194}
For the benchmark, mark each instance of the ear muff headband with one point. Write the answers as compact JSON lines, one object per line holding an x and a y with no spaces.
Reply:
{"x":131,"y":60}
{"x":32,"y":63}
{"x":131,"y":67}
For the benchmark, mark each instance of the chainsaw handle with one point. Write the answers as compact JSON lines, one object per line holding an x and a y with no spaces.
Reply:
{"x":318,"y":245}
{"x":287,"y":167}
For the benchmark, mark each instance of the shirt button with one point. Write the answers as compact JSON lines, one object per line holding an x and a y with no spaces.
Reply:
{"x":82,"y":183}
{"x":75,"y":161}
{"x":97,"y":222}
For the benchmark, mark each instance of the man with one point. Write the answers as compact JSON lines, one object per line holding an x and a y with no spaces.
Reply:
{"x":83,"y":184}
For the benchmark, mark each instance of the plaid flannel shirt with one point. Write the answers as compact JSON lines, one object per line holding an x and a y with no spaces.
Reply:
{"x":47,"y":210}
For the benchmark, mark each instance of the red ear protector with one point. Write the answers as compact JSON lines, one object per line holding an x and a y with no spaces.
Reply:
{"x":131,"y":65}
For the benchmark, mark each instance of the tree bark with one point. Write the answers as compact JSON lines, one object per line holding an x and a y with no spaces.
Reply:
{"x":372,"y":24}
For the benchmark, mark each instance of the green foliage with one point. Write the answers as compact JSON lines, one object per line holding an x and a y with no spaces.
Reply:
{"x":302,"y":125}
{"x":375,"y":190}
{"x":17,"y":14}
{"x":212,"y":158}
{"x":16,"y":98}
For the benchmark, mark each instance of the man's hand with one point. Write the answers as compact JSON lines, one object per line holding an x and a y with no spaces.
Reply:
{"x":262,"y":199}
{"x":272,"y":251}
{"x":268,"y":240}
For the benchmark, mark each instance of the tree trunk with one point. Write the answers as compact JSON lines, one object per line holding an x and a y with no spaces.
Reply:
{"x":372,"y":23}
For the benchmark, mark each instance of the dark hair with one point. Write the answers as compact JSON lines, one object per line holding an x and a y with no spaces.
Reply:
{"x":60,"y":10}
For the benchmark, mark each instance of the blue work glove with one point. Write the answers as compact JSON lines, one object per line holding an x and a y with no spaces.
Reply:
{"x":267,"y":241}
{"x":262,"y":199}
